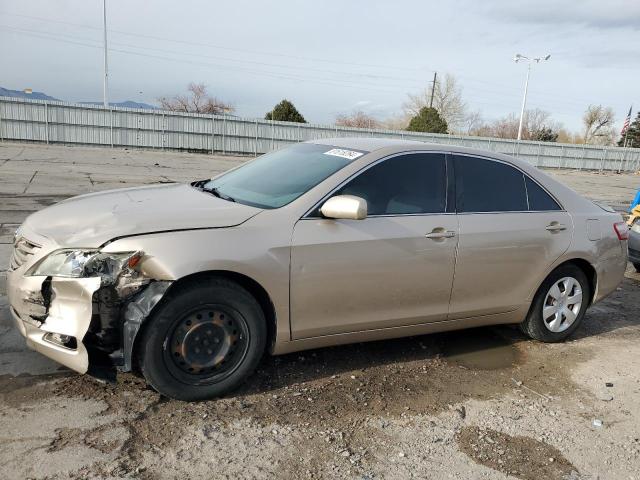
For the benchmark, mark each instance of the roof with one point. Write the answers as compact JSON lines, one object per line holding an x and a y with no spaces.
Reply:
{"x":373,"y":144}
{"x":366,"y":144}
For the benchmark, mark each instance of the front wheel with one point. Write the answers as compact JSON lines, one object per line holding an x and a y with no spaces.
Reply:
{"x":203,"y":341}
{"x":558,"y":306}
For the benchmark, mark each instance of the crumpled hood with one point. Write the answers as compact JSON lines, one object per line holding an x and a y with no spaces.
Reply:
{"x":93,"y":219}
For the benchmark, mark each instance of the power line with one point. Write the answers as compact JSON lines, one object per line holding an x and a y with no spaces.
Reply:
{"x":222,"y":47}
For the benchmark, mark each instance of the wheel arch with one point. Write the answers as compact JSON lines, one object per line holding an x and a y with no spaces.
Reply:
{"x":248,"y":283}
{"x":587,"y":268}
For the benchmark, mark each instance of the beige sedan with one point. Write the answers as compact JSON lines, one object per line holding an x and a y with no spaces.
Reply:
{"x":321,"y":243}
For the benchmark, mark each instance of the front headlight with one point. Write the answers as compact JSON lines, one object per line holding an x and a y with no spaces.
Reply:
{"x":84,"y":263}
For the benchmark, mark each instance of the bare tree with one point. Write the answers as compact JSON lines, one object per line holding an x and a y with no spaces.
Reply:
{"x":534,"y":124}
{"x":598,"y":125}
{"x":473,"y":121}
{"x":196,"y":101}
{"x":396,"y":122}
{"x":447,"y":100}
{"x":357,"y":119}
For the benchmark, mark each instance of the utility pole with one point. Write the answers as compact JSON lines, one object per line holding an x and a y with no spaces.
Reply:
{"x":433,"y":89}
{"x":105,"y":99}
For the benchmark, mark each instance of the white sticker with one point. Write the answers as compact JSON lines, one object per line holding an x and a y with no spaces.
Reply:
{"x":348,"y":154}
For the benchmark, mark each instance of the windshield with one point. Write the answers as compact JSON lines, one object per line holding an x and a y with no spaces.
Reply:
{"x":278,"y":178}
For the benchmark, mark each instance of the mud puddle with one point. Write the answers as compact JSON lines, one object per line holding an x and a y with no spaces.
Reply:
{"x":480,"y":349}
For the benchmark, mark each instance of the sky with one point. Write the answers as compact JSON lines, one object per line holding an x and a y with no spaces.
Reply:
{"x":330,"y":57}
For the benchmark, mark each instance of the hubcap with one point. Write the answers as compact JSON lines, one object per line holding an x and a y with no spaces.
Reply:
{"x":206,"y":345}
{"x":562,"y":304}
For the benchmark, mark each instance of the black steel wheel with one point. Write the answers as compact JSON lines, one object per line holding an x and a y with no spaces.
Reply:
{"x":202,"y":340}
{"x":207,"y":344}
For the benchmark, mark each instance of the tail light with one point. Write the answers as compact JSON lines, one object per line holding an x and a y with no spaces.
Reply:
{"x":622,"y":230}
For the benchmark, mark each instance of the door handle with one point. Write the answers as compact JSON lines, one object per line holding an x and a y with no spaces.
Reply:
{"x":556,"y":227}
{"x":438,"y":233}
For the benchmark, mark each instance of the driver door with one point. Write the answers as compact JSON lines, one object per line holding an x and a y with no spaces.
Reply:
{"x":394,"y":268}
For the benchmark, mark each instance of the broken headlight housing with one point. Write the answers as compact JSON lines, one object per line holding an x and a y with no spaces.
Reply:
{"x":78,"y":263}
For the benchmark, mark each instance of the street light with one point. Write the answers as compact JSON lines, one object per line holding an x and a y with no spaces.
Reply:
{"x":516,"y":59}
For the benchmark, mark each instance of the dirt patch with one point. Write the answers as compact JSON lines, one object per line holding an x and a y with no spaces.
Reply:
{"x":521,"y":457}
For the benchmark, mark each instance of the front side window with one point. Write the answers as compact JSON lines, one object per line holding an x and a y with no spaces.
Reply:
{"x":278,"y":178}
{"x":406,"y":184}
{"x":488,"y":186}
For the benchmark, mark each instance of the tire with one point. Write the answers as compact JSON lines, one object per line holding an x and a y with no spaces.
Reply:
{"x":637,"y":267}
{"x":204,"y":340}
{"x":559,"y":325}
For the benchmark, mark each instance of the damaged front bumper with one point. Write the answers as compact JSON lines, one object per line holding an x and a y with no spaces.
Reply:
{"x":55,"y":329}
{"x":85,"y":323}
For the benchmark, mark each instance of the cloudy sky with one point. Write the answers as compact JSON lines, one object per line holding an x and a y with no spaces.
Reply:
{"x":332,"y":56}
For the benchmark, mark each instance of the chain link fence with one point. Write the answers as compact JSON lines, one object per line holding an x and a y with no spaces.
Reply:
{"x":69,"y":123}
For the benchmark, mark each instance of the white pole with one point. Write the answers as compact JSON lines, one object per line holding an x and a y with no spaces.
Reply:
{"x":524,"y":101}
{"x":106,"y":70}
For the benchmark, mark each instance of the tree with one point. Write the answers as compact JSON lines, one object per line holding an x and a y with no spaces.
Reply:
{"x":447,"y":100}
{"x":357,"y":119}
{"x":197,"y":101}
{"x":632,"y":135}
{"x":536,"y":125}
{"x":544,"y":134}
{"x":428,"y":120}
{"x":598,"y":125}
{"x":285,"y":111}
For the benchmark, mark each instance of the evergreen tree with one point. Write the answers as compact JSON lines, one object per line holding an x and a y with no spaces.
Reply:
{"x":285,"y":111}
{"x":428,"y":120}
{"x":633,"y":134}
{"x":544,"y":134}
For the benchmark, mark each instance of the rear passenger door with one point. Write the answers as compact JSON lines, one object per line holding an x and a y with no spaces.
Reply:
{"x":511,"y":230}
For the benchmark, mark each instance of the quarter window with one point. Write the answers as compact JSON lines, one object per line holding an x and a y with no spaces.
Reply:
{"x":488,"y":186}
{"x":539,"y":200}
{"x":406,"y":184}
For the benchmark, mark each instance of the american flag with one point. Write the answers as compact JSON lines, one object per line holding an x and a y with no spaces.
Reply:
{"x":627,"y":120}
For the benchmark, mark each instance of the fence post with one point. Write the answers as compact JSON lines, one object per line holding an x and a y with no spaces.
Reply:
{"x":111,"y":126}
{"x":621,"y":156}
{"x":213,"y":132}
{"x":604,"y":154}
{"x":273,"y":133}
{"x":46,"y":122}
{"x":584,"y":146}
{"x":1,"y":134}
{"x":163,"y":123}
{"x":255,"y":144}
{"x":224,"y":133}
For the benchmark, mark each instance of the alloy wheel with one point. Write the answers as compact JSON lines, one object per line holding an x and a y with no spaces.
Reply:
{"x":562,"y":304}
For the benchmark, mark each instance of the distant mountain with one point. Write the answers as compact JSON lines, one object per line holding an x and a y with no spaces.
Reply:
{"x":6,"y":92}
{"x":126,"y":103}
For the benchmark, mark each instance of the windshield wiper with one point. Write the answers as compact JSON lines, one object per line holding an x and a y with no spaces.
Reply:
{"x":219,"y":194}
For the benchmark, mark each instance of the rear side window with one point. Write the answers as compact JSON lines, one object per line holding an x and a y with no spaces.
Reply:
{"x":539,"y":200}
{"x":406,"y":184}
{"x":487,"y":186}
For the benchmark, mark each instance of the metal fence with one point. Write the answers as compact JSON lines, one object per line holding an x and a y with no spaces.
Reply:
{"x":68,"y":123}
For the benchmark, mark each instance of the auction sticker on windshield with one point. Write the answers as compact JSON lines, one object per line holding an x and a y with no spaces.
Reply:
{"x":348,"y":154}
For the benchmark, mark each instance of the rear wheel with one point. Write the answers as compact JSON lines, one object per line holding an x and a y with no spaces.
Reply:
{"x":558,"y":306}
{"x":204,"y":340}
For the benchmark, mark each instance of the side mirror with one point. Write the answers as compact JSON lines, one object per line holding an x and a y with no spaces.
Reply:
{"x":347,"y":207}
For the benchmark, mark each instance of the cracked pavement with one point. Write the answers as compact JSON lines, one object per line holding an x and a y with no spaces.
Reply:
{"x":483,"y":403}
